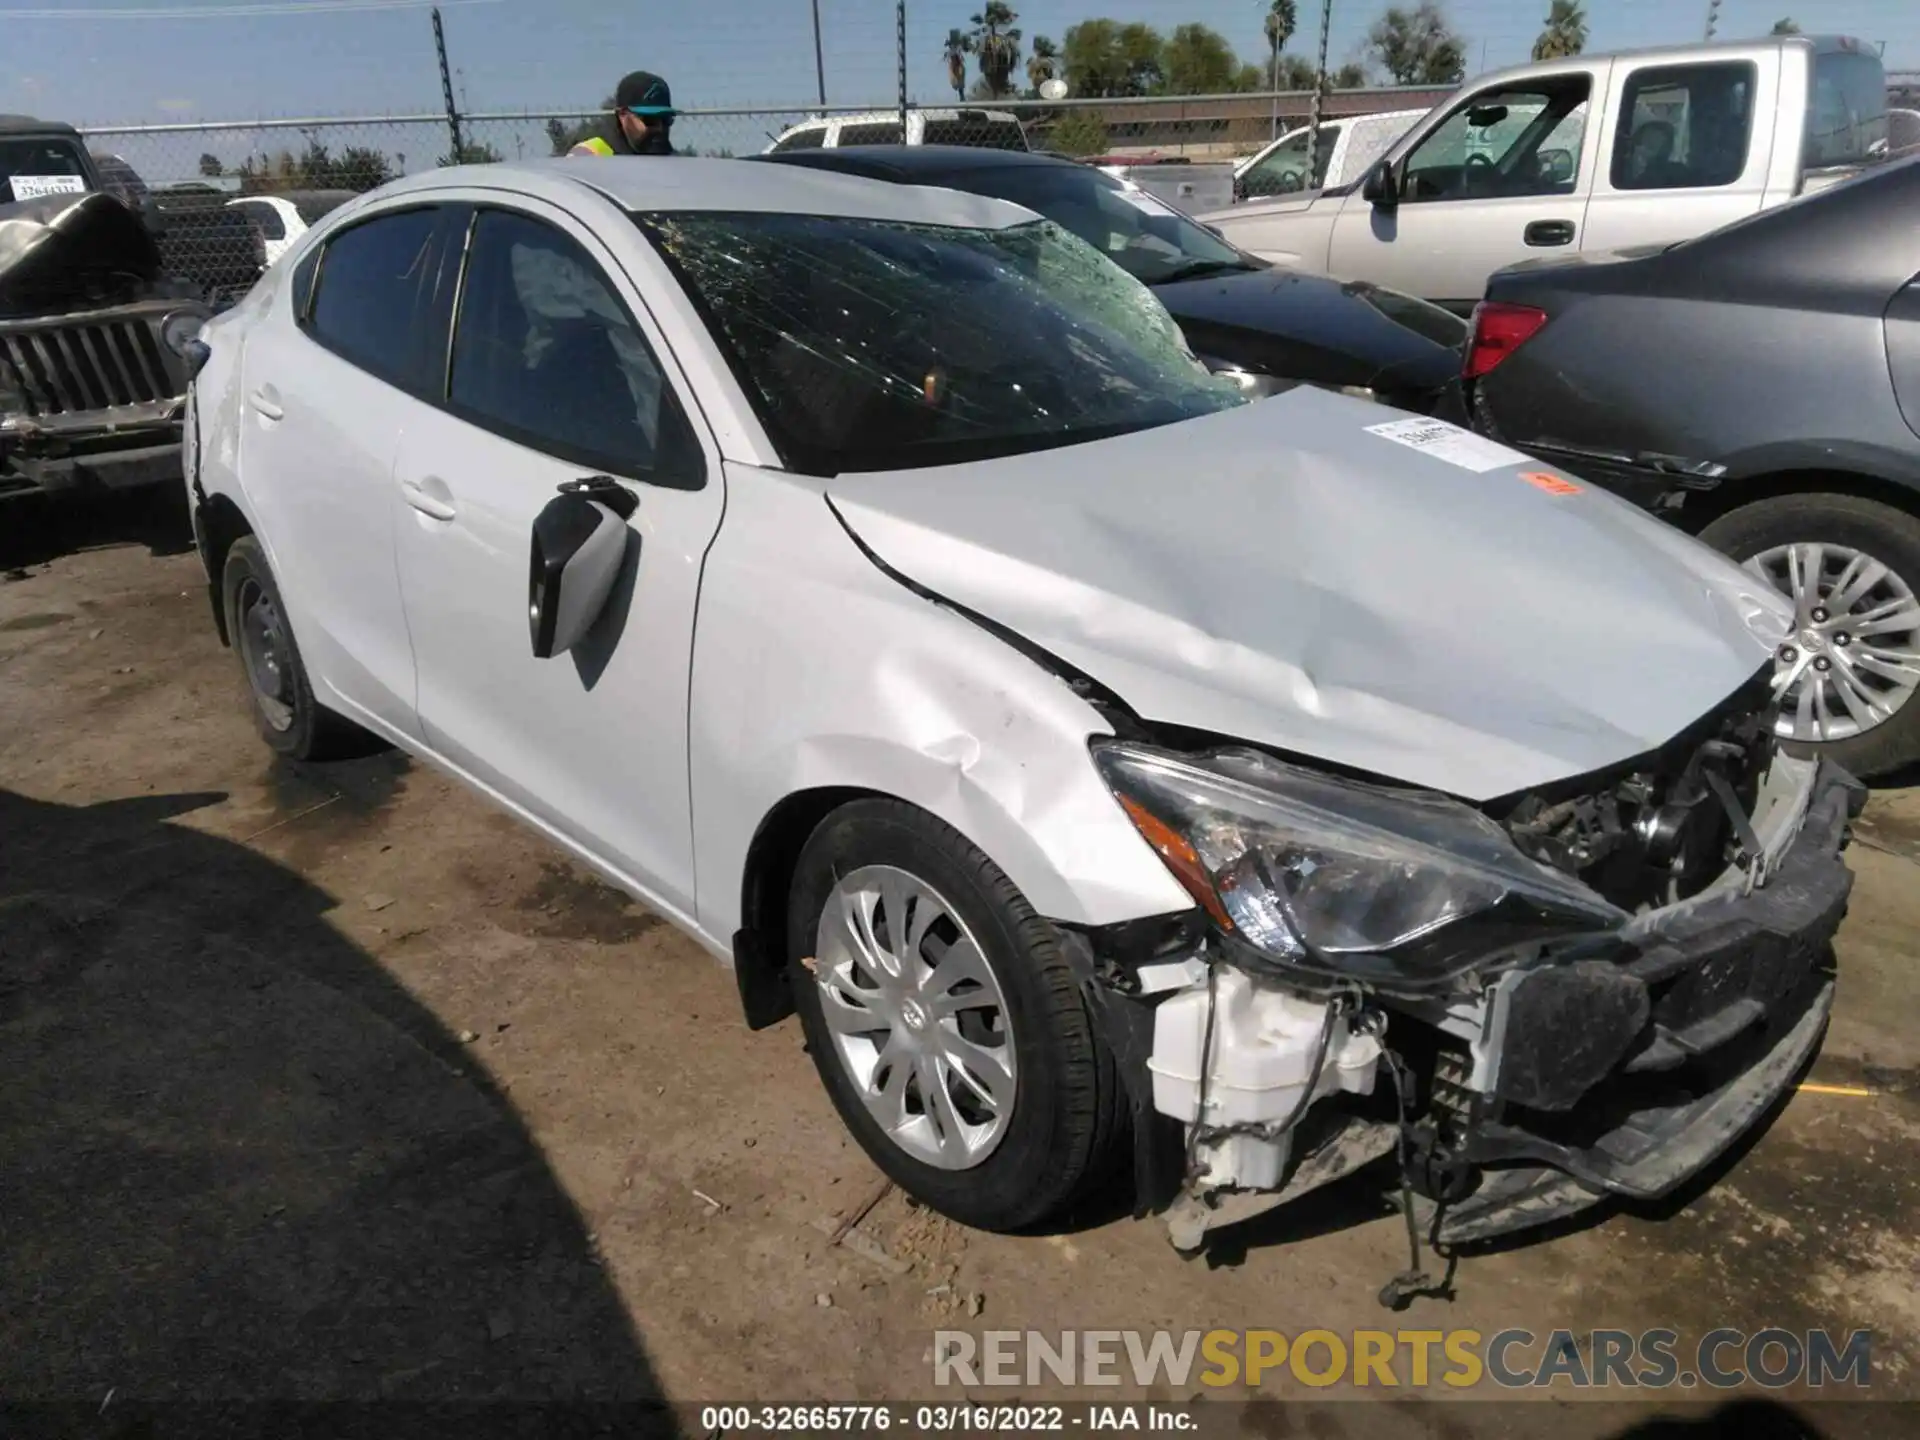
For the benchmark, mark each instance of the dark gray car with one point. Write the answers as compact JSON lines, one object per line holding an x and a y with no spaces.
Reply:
{"x":1761,"y":387}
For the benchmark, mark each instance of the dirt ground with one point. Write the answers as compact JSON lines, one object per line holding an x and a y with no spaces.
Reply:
{"x":333,"y":1082}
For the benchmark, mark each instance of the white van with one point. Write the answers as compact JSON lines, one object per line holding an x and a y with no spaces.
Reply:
{"x":1349,"y":145}
{"x":984,"y":129}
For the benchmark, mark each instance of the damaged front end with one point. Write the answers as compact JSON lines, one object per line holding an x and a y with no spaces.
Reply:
{"x":1585,"y":991}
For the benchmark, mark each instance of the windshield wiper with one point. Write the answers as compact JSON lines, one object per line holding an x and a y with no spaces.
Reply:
{"x":1194,"y":269}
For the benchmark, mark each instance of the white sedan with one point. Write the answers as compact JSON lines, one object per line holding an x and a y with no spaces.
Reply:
{"x":283,"y":219}
{"x":868,"y":579}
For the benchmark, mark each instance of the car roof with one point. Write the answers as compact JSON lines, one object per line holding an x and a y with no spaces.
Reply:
{"x":909,"y":164}
{"x":932,"y":113}
{"x":15,"y":123}
{"x":1683,"y":54}
{"x":680,"y":183}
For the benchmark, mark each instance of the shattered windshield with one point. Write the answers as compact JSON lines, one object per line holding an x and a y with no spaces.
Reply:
{"x":874,"y":345}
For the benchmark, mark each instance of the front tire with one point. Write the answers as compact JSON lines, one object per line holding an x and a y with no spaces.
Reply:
{"x":946,"y":1022}
{"x":289,"y":719}
{"x":1852,"y":569}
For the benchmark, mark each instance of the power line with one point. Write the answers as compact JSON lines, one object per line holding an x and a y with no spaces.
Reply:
{"x":251,"y":9}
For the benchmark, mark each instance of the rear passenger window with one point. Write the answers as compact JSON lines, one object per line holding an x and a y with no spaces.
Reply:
{"x":882,"y":134}
{"x":1684,"y":127}
{"x":364,"y":296}
{"x":811,"y":138}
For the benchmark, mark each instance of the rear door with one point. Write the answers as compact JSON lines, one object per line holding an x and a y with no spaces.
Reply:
{"x":1503,"y":177}
{"x":330,"y":384}
{"x":1682,"y":149}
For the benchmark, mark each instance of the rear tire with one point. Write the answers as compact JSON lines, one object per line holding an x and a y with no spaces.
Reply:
{"x":1846,"y":523}
{"x":285,"y":712}
{"x":1061,"y":1129}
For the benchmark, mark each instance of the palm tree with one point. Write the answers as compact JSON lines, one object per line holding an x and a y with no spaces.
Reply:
{"x":1282,"y":20}
{"x":1786,"y":27}
{"x":997,"y":43}
{"x":956,"y":50}
{"x":1565,"y":33}
{"x":1044,"y":63}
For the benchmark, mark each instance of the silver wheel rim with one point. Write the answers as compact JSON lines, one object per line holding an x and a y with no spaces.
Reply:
{"x":1854,"y":657}
{"x":265,"y":653}
{"x":917,"y":1016}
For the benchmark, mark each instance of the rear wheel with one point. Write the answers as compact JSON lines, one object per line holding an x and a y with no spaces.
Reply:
{"x":946,"y":1022}
{"x":285,"y":712}
{"x":1847,"y":677}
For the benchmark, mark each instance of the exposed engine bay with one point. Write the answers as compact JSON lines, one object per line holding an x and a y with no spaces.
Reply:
{"x":1586,"y":990}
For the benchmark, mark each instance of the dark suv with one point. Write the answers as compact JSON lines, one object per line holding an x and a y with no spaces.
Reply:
{"x":93,"y":334}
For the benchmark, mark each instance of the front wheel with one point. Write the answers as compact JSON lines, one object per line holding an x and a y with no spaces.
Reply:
{"x":945,"y":1021}
{"x":1847,"y":676}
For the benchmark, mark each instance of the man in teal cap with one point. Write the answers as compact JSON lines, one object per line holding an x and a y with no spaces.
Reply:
{"x":642,"y":121}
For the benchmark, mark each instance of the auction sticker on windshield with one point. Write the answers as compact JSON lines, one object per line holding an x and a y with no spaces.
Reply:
{"x":32,"y":187}
{"x":1449,"y":443}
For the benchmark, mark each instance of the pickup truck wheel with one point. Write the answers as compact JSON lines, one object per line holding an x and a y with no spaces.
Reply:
{"x":945,"y":1021}
{"x":289,"y":719}
{"x":1847,"y":677}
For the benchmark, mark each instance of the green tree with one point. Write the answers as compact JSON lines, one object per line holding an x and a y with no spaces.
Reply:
{"x":1787,"y":26}
{"x":1350,"y":77}
{"x":1279,"y":23}
{"x":996,"y":43}
{"x":563,"y":137}
{"x":471,"y":152}
{"x":956,"y":50}
{"x":1104,"y":58}
{"x":1198,"y":61}
{"x":1296,"y":73}
{"x":1565,"y":33}
{"x":557,"y":137}
{"x":1418,"y":46}
{"x":211,"y":167}
{"x":1043,"y":63}
{"x":1081,"y":132}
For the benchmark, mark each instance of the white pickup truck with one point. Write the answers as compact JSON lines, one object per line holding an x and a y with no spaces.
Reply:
{"x":1594,"y":152}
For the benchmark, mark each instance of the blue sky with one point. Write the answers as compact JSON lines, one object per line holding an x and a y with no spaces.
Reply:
{"x":536,"y":54}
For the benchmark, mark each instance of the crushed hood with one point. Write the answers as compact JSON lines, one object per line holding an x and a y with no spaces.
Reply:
{"x":1280,"y":574}
{"x":64,"y":252}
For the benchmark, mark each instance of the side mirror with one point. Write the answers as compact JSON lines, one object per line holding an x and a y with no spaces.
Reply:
{"x":579,"y":542}
{"x":1380,"y":188}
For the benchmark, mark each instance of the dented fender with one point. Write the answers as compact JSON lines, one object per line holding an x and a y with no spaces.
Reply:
{"x":836,"y":676}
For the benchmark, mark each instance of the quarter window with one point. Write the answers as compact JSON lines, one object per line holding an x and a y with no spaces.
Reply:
{"x":885,"y":133}
{"x":544,"y":353}
{"x":811,"y":138}
{"x":1684,"y":127}
{"x":364,"y":296}
{"x":272,"y":227}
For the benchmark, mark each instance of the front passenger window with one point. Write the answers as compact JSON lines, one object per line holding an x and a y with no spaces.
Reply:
{"x":545,"y":354}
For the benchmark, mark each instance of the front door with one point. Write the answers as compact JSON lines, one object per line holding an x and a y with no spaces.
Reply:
{"x":552,"y":377}
{"x":1502,"y":178}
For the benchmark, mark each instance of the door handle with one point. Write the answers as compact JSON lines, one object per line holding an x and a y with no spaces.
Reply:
{"x":1549,"y":232}
{"x":266,"y":400}
{"x":433,"y":506}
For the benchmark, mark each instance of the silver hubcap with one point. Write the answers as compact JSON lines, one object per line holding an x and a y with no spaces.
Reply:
{"x":917,"y":1017}
{"x":266,"y":654}
{"x":1854,"y":657}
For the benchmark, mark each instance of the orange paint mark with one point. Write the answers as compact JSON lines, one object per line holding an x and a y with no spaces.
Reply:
{"x":1551,"y":483}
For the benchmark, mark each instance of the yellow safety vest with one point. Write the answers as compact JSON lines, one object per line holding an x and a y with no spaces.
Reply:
{"x":593,"y":145}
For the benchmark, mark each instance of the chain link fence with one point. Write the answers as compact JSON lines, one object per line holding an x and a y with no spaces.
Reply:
{"x":229,"y":197}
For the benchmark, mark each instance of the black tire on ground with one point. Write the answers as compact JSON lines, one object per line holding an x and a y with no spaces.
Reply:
{"x":1067,"y":1126}
{"x":312,"y":732}
{"x":1890,"y":536}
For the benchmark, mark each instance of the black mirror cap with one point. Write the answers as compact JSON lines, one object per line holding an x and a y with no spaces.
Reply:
{"x":560,"y":532}
{"x":1380,"y":188}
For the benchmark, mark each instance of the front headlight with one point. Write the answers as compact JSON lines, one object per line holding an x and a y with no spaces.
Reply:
{"x":1341,"y":878}
{"x":181,"y":329}
{"x":1251,"y":382}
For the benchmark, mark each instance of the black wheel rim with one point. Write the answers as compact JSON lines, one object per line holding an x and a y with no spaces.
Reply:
{"x":267,"y":655}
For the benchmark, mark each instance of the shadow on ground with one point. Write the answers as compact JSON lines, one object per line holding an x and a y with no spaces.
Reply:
{"x":243,"y":1164}
{"x":35,"y":529}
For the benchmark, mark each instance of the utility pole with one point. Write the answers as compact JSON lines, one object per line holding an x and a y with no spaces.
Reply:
{"x":900,"y":41}
{"x":1713,"y":16}
{"x":1319,"y":98}
{"x":446,"y":88}
{"x":819,"y":60}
